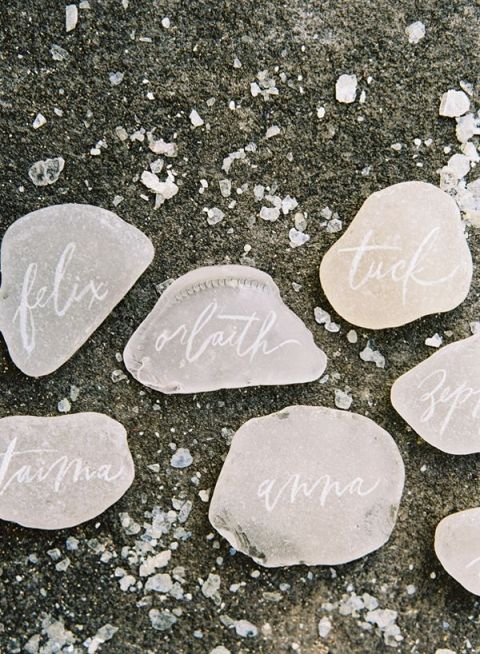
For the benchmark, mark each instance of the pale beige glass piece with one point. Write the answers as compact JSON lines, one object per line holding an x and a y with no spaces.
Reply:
{"x":222,"y":327}
{"x":64,"y":268}
{"x":457,"y":546}
{"x":440,"y":397}
{"x":58,"y":472}
{"x":308,"y":485}
{"x":404,"y":256}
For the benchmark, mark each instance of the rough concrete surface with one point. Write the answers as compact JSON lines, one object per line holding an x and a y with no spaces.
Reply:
{"x":336,"y":161}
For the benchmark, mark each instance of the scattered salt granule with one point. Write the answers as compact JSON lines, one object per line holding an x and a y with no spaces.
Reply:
{"x":71,"y":17}
{"x":163,"y":190}
{"x":181,"y":458}
{"x":444,"y":651}
{"x":225,"y":187}
{"x":352,"y":336}
{"x":53,"y":638}
{"x":475,"y":327}
{"x":105,"y":633}
{"x":159,"y":583}
{"x":195,"y":118}
{"x":270,"y":214}
{"x":58,"y":53}
{"x":288,"y":204}
{"x":45,"y":172}
{"x":220,"y":649}
{"x":372,"y":356}
{"x":151,"y":563}
{"x":346,"y":88}
{"x":64,"y":405}
{"x":415,"y":32}
{"x":116,"y":78}
{"x":166,"y":22}
{"x":320,"y":112}
{"x":210,"y":586}
{"x":434,"y":341}
{"x":161,"y":620}
{"x":62,"y":565}
{"x":274,"y":130}
{"x":214,"y":215}
{"x":385,"y":619}
{"x":343,"y":400}
{"x":454,"y":103}
{"x":297,"y":238}
{"x":324,"y":627}
{"x":322,"y":317}
{"x":245,"y":629}
{"x":162,"y":147}
{"x":39,"y":121}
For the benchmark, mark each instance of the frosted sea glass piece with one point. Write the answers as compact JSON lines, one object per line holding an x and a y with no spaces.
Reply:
{"x":308,"y":485}
{"x":440,"y":397}
{"x":58,"y":472}
{"x":64,"y":268}
{"x":222,"y":327}
{"x":404,"y":256}
{"x":457,"y":546}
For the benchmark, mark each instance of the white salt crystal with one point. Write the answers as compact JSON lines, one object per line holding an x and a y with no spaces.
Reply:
{"x":166,"y":22}
{"x":346,"y":88}
{"x":161,"y":620}
{"x":62,"y":566}
{"x":225,"y":187}
{"x":43,"y":173}
{"x":220,"y":649}
{"x":103,"y":634}
{"x":153,"y":562}
{"x":343,"y":400}
{"x":324,"y":627}
{"x":159,"y":583}
{"x":71,"y":17}
{"x":415,"y":32}
{"x":39,"y":121}
{"x":460,"y":164}
{"x":454,"y":103}
{"x":274,"y":130}
{"x":64,"y":405}
{"x":161,"y":147}
{"x":195,"y":118}
{"x":270,"y":213}
{"x":214,"y":215}
{"x":352,"y":336}
{"x":58,"y":53}
{"x":258,"y":191}
{"x":297,"y":238}
{"x":245,"y":629}
{"x":211,"y":585}
{"x":288,"y":204}
{"x":181,"y":458}
{"x":320,"y":112}
{"x":372,"y":356}
{"x":255,"y":89}
{"x":237,"y":63}
{"x":116,"y":78}
{"x":434,"y":341}
{"x":322,"y":317}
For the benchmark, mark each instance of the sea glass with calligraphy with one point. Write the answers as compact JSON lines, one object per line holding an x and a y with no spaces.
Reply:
{"x":222,"y":327}
{"x":64,"y":268}
{"x":308,"y":485}
{"x":404,"y":256}
{"x":457,"y":546}
{"x":440,"y":397}
{"x":58,"y":472}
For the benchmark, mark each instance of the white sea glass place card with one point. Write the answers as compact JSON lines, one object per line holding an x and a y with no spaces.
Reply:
{"x":404,"y":256}
{"x":58,"y":472}
{"x":440,"y":397}
{"x":308,"y":485}
{"x":457,"y":546}
{"x":64,"y":268}
{"x":222,"y":327}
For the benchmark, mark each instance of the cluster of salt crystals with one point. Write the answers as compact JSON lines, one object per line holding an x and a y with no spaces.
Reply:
{"x":54,"y":637}
{"x":264,"y":86}
{"x":366,"y":610}
{"x":326,"y":500}
{"x":84,"y":259}
{"x":369,"y":355}
{"x":56,"y":498}
{"x":322,"y":317}
{"x":438,"y":397}
{"x":242,"y":628}
{"x":456,"y":104}
{"x":274,"y":346}
{"x":331,"y":222}
{"x":46,"y":172}
{"x":457,"y":546}
{"x":388,"y":268}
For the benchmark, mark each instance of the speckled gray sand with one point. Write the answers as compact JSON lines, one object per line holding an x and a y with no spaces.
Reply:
{"x":185,"y":65}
